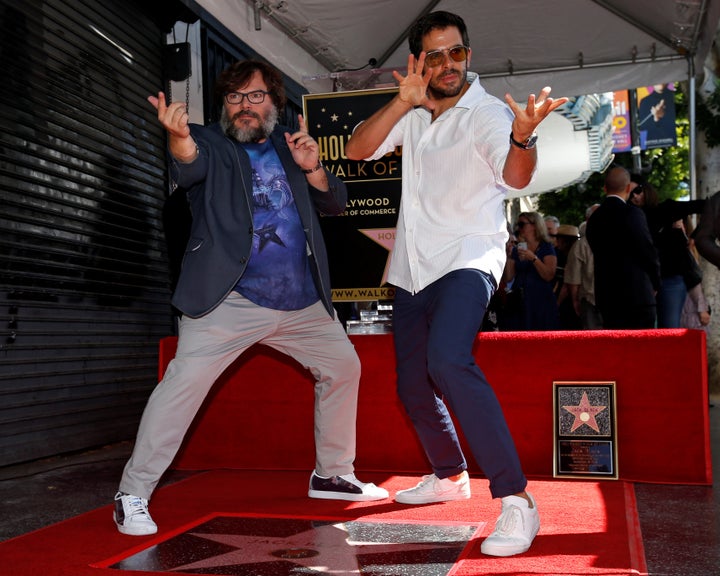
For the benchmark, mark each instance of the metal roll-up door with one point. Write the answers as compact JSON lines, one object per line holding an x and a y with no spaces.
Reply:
{"x":84,"y":281}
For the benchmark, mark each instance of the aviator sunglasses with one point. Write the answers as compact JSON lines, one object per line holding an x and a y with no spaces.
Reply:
{"x":437,"y":57}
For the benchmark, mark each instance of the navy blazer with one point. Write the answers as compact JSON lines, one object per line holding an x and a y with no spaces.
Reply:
{"x":219,"y":190}
{"x":627,"y":270}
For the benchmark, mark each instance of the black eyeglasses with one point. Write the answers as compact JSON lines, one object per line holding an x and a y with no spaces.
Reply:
{"x":521,"y":224}
{"x":437,"y":57}
{"x":637,"y":190}
{"x":254,"y":97}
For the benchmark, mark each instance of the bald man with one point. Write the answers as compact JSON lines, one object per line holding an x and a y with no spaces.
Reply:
{"x":627,"y":269}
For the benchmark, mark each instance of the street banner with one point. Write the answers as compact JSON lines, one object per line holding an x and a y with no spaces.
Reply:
{"x":656,"y":116}
{"x":622,"y":135}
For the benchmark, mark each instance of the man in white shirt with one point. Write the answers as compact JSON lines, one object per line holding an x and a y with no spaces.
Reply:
{"x":462,"y":150}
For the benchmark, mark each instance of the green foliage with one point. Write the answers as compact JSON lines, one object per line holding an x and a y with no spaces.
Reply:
{"x":569,"y":204}
{"x":667,"y":169}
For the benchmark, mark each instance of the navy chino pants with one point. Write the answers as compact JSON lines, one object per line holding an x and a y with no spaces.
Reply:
{"x":434,"y":333}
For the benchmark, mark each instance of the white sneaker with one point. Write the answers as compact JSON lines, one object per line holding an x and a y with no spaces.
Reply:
{"x":433,"y":489}
{"x":131,"y":515}
{"x":345,"y":487}
{"x":516,"y":527}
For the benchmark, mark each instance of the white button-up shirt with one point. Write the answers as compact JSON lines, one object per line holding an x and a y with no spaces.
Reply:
{"x":451,"y":211}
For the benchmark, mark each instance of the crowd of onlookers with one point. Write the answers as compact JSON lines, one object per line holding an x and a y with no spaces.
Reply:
{"x":633,"y":263}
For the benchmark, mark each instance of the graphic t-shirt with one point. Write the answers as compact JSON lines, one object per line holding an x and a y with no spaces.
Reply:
{"x":278,"y":274}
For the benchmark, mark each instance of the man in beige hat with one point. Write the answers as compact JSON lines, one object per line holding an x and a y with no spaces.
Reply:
{"x":565,"y":237}
{"x":580,"y":279}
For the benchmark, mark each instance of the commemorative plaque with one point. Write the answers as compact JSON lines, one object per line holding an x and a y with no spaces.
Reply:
{"x":585,"y":439}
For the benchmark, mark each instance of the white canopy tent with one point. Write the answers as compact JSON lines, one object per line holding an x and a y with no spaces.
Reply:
{"x":578,"y":47}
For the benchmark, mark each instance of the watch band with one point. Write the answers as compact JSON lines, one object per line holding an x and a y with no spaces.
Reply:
{"x":526,"y":144}
{"x":317,"y":167}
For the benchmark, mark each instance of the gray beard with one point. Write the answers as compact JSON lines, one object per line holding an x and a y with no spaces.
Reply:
{"x":245,"y":135}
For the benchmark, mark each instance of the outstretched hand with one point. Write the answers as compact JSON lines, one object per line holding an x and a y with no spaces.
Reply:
{"x":537,"y":109}
{"x":303,"y":147}
{"x":413,"y":87}
{"x":174,"y":117}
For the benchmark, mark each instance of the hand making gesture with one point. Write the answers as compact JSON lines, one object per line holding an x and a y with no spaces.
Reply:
{"x":174,"y":118}
{"x":527,"y":119}
{"x":413,"y":87}
{"x":303,"y":147}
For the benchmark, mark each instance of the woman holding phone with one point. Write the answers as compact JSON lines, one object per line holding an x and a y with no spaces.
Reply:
{"x":531,"y":267}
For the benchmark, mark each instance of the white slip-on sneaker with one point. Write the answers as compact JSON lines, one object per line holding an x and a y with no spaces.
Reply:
{"x":345,"y":487}
{"x":516,"y":527}
{"x":132,"y":516}
{"x":433,"y":489}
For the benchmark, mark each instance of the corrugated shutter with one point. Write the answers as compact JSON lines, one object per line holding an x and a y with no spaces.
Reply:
{"x":84,"y":281}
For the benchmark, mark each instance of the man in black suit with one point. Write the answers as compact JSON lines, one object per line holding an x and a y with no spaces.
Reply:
{"x":627,"y":270}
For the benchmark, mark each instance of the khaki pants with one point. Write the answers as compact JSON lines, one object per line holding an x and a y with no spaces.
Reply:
{"x":208,"y":345}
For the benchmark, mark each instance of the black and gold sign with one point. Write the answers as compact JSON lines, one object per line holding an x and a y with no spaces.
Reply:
{"x":585,"y":439}
{"x":359,"y":241}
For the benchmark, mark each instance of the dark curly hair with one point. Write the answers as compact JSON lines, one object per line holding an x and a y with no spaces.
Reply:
{"x":238,"y":74}
{"x":433,"y":21}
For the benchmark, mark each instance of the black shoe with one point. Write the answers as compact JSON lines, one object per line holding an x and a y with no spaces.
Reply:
{"x":345,"y":487}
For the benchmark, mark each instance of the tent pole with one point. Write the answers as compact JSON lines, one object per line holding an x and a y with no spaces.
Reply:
{"x":635,"y":150}
{"x":692,"y":136}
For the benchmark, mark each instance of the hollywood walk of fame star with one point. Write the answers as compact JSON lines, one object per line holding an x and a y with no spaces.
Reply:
{"x":584,"y":413}
{"x":325,"y":547}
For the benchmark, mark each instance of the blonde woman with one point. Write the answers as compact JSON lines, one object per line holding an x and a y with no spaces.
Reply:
{"x":531,"y":267}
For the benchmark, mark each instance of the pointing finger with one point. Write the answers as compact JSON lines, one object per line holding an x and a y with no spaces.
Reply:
{"x":162,"y":103}
{"x":301,"y":122}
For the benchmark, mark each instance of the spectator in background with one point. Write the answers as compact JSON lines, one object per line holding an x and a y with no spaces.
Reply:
{"x":671,"y":245}
{"x":627,"y":270}
{"x":552,"y":223}
{"x":567,"y":237}
{"x":580,"y":279}
{"x":499,"y":308}
{"x":696,"y":311}
{"x":708,"y":231}
{"x":531,"y":267}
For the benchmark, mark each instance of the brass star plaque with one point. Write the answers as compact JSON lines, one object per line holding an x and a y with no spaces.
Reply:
{"x":585,"y":438}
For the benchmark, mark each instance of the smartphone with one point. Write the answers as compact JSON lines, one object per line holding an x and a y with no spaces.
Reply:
{"x":522,"y":245}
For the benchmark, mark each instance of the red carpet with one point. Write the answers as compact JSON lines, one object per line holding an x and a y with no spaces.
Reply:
{"x":587,"y":527}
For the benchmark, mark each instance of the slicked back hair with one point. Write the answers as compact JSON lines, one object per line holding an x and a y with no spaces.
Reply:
{"x":435,"y":21}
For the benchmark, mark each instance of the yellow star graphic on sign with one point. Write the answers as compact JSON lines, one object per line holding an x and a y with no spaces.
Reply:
{"x":386,"y":238}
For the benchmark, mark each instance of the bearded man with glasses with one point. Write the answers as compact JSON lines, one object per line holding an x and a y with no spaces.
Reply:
{"x":462,"y":151}
{"x":255,"y":271}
